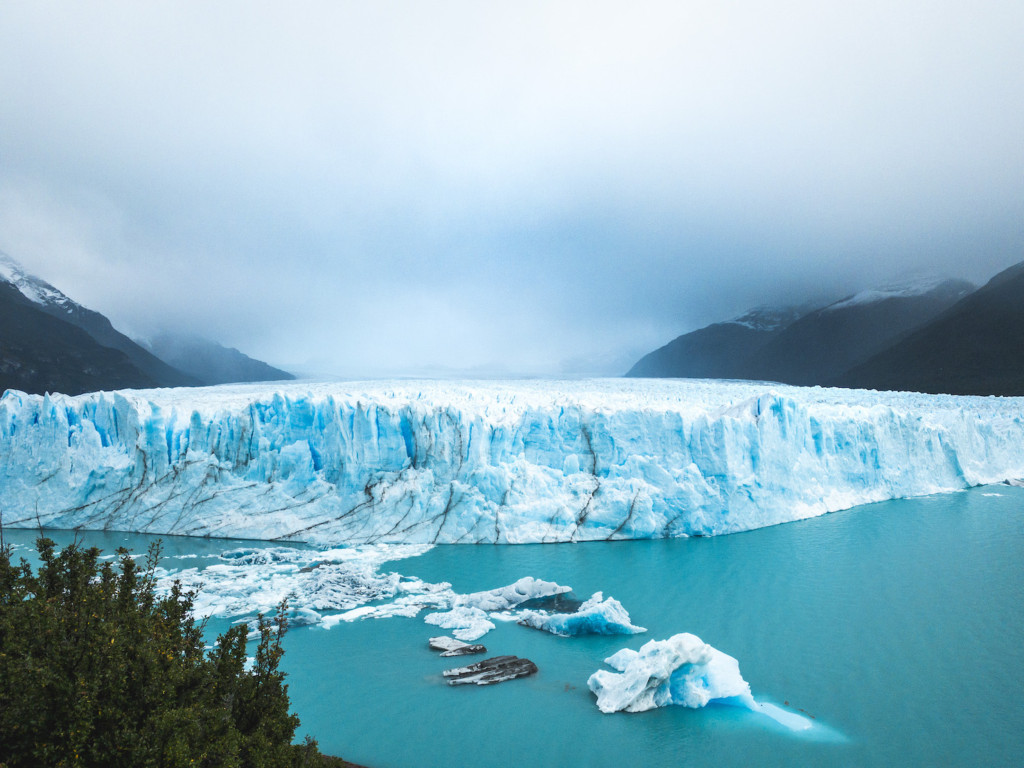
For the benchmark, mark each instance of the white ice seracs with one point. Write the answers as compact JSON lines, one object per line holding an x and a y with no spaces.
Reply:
{"x":466,"y":623}
{"x":597,"y":616}
{"x":503,"y":598}
{"x":468,"y":616}
{"x":682,"y":670}
{"x":506,"y":462}
{"x":255,"y":580}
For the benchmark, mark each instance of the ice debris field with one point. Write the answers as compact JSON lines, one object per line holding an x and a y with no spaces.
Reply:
{"x":325,"y":588}
{"x":472,"y":462}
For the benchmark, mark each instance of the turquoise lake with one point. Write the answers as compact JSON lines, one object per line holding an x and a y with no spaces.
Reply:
{"x":898,"y":626}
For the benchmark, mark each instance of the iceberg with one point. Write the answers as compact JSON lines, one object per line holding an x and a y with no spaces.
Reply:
{"x":597,"y":616}
{"x":451,"y":647}
{"x":467,"y":624}
{"x":250,"y":581}
{"x":468,"y":616}
{"x":683,"y":670}
{"x":486,"y":462}
{"x":349,"y":583}
{"x":504,"y":598}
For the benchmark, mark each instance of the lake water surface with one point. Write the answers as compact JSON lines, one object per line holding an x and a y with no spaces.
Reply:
{"x":899,"y":626}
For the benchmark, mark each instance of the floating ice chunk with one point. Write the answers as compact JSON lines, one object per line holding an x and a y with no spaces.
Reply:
{"x":597,"y":616}
{"x":303,"y":617}
{"x":256,"y":580}
{"x":449,"y":646}
{"x":468,"y":615}
{"x":406,"y":607}
{"x":504,"y":616}
{"x":503,"y":598}
{"x":362,"y":612}
{"x":262,"y":556}
{"x":491,"y":671}
{"x":468,"y":623}
{"x":681,"y":670}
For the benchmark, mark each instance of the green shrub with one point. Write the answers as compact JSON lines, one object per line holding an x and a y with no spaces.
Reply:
{"x":97,"y":669}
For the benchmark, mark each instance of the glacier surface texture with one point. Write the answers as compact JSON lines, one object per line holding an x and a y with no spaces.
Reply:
{"x":505,"y":462}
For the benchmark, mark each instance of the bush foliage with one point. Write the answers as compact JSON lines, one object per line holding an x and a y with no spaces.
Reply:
{"x":97,"y":669}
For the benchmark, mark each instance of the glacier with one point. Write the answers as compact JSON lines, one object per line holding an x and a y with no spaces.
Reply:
{"x":433,"y":462}
{"x":683,"y":670}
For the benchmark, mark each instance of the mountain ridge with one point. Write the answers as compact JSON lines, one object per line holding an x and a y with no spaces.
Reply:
{"x":51,"y":343}
{"x":936,"y":336}
{"x":976,"y":347}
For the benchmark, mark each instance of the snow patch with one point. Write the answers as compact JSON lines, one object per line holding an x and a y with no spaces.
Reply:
{"x":902,"y":290}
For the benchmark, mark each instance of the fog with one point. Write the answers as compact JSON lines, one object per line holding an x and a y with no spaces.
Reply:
{"x":532,"y":188}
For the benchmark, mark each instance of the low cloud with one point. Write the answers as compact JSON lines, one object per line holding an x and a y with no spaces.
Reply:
{"x":390,"y":186}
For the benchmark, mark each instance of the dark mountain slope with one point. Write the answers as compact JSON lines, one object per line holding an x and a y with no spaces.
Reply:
{"x":212,"y":363}
{"x":53,"y":302}
{"x":827,"y":342}
{"x":974,"y":348}
{"x":719,"y":351}
{"x":40,"y":353}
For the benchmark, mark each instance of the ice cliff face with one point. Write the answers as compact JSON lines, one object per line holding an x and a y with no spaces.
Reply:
{"x":486,"y":461}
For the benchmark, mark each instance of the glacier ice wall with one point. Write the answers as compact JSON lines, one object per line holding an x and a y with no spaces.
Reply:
{"x":508,"y":462}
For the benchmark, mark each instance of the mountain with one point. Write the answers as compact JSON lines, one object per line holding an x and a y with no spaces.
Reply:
{"x":827,"y":342}
{"x":976,"y":347}
{"x":53,"y":302}
{"x":210,"y":362}
{"x":719,"y":351}
{"x":802,"y":345}
{"x":41,"y":353}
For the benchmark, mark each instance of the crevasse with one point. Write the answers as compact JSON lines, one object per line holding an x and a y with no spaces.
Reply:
{"x":473,"y":462}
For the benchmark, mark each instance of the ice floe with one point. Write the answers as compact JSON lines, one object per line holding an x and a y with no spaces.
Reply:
{"x":682,"y":670}
{"x":328,"y":587}
{"x":597,"y":616}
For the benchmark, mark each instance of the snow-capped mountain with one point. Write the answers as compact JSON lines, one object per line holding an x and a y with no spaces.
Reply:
{"x":47,"y":299}
{"x":33,"y":288}
{"x":909,"y":289}
{"x":51,"y":343}
{"x":805,"y":345}
{"x":769,"y":318}
{"x":829,"y":341}
{"x":975,"y":347}
{"x":41,"y":353}
{"x":720,"y":350}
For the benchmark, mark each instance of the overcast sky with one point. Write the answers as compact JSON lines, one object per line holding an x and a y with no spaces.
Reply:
{"x":376,"y":187}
